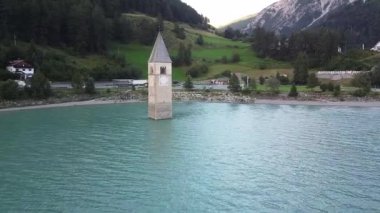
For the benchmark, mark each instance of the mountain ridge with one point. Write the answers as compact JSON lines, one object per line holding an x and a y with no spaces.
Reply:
{"x":287,"y":16}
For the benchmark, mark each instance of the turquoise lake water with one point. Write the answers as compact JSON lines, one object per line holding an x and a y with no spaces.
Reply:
{"x":209,"y":158}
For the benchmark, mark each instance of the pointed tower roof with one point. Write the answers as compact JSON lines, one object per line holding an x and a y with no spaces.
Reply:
{"x":159,"y":53}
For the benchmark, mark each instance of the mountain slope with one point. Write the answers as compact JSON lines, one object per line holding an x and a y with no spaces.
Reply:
{"x":359,"y":22}
{"x":238,"y":24}
{"x":287,"y":16}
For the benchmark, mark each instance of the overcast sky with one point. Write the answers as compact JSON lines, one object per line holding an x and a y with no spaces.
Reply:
{"x":223,"y":12}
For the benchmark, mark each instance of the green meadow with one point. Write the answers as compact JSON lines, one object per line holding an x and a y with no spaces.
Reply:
{"x":211,"y":53}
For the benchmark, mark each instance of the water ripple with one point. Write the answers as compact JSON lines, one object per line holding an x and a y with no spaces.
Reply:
{"x":209,"y":158}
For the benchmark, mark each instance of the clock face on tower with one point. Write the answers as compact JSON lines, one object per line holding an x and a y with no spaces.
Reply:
{"x":164,"y":80}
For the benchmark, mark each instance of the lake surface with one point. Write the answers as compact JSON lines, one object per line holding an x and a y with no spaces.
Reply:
{"x":209,"y":158}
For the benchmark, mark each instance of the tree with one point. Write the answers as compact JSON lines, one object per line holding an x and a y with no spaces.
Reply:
{"x":200,"y":41}
{"x":293,"y":91}
{"x":188,"y":56}
{"x":40,"y":86}
{"x":9,"y":90}
{"x":301,"y":69}
{"x":180,"y":59}
{"x":252,"y":84}
{"x":261,"y":80}
{"x":179,"y":32}
{"x":264,"y":43}
{"x":337,"y":90}
{"x":274,"y":85}
{"x":224,"y":60}
{"x":77,"y":82}
{"x":89,"y":86}
{"x":34,"y":56}
{"x":188,"y":85}
{"x":376,"y":76}
{"x":98,"y":31}
{"x":235,"y":58}
{"x":160,"y":21}
{"x":234,"y":83}
{"x":184,"y":55}
{"x":3,"y":21}
{"x":229,"y":33}
{"x":312,"y":81}
{"x":122,"y":29}
{"x":362,"y":81}
{"x":198,"y":70}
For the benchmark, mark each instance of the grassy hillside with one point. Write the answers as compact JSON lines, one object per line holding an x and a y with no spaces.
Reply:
{"x":60,"y":64}
{"x":210,"y":53}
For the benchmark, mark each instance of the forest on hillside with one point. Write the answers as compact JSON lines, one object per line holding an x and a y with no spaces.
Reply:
{"x":325,"y":48}
{"x":85,"y":25}
{"x":359,"y":23}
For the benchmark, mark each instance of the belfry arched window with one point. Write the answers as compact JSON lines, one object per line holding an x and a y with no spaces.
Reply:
{"x":163,"y":70}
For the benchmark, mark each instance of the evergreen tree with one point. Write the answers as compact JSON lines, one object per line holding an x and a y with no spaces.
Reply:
{"x":261,"y":80}
{"x":98,"y":31}
{"x":252,"y":84}
{"x":122,"y":29}
{"x":89,"y":86}
{"x":180,"y":59}
{"x":362,"y":81}
{"x":34,"y":56}
{"x":235,"y":58}
{"x":9,"y":90}
{"x":376,"y":76}
{"x":77,"y":82}
{"x":229,"y":33}
{"x":3,"y":21}
{"x":274,"y":85}
{"x":87,"y":25}
{"x":337,"y":90}
{"x":179,"y":32}
{"x":312,"y":81}
{"x":200,"y":41}
{"x":234,"y":84}
{"x":160,"y":23}
{"x":188,"y":85}
{"x":301,"y":69}
{"x":40,"y":86}
{"x":293,"y":91}
{"x":188,"y":56}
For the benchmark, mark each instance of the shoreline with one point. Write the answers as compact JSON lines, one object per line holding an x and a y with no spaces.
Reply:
{"x":257,"y":101}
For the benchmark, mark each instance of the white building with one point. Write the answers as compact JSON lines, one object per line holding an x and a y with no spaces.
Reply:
{"x":22,"y":68}
{"x":337,"y":75}
{"x":376,"y":47}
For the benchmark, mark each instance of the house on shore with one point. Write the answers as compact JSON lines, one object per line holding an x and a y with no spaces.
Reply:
{"x":22,"y":68}
{"x":376,"y":47}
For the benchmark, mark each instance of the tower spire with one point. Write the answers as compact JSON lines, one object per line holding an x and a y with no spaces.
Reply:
{"x":160,"y":52}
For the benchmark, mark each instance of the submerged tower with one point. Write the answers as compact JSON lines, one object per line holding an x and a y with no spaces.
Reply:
{"x":160,"y":81}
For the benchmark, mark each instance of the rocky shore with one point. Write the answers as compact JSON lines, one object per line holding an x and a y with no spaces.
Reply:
{"x":200,"y":96}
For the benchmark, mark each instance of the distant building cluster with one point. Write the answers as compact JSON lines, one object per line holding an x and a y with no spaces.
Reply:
{"x":21,"y":68}
{"x":337,"y":75}
{"x":220,"y":81}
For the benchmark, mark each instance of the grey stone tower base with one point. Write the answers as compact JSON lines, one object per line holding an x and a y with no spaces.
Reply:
{"x":160,"y":111}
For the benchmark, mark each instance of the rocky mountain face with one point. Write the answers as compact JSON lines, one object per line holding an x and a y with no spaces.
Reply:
{"x":288,"y":16}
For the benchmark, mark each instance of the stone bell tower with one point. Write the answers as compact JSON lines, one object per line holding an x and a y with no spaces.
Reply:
{"x":160,"y":81}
